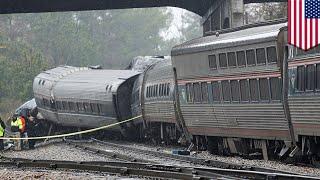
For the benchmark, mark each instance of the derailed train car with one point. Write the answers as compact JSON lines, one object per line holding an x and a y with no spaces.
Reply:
{"x":84,"y":97}
{"x":153,"y":98}
{"x":238,"y":91}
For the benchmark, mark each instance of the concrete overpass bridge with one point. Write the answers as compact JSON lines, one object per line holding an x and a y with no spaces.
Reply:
{"x":216,"y":14}
{"x":199,"y":7}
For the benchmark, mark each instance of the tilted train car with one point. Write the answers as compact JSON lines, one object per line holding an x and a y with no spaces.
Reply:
{"x":230,"y":87}
{"x":83,"y":97}
{"x":304,"y":97}
{"x":153,"y":96}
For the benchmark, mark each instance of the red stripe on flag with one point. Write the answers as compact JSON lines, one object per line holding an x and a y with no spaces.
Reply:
{"x":317,"y":31}
{"x":300,"y":24}
{"x":289,"y":21}
{"x":310,"y":39}
{"x":295,"y":23}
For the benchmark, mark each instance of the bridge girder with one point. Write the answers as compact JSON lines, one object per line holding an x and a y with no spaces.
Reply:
{"x":34,"y":6}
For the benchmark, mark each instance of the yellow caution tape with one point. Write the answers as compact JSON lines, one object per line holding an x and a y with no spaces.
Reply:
{"x":75,"y":133}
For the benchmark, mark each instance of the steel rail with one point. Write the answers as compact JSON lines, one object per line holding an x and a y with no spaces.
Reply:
{"x":109,"y":154}
{"x":122,"y":168}
{"x":147,"y":169}
{"x":194,"y":160}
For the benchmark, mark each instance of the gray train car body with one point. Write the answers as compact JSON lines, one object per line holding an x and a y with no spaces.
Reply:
{"x":151,"y":66}
{"x":304,"y":91}
{"x":230,"y":84}
{"x":82,"y":97}
{"x":158,"y":93}
{"x":154,"y":100}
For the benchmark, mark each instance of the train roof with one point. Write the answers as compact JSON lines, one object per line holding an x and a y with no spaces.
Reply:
{"x":236,"y":38}
{"x":141,"y":63}
{"x":84,"y":83}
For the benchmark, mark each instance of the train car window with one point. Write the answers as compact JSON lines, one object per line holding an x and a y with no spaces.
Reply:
{"x":275,"y":86}
{"x":189,"y":91}
{"x":95,"y":108}
{"x":232,"y":59}
{"x":216,"y":92}
{"x":301,"y":78}
{"x":223,"y":60}
{"x":254,"y":90}
{"x":212,"y":61}
{"x":244,"y":89}
{"x":310,"y":86}
{"x":72,"y":106}
{"x":251,"y":59}
{"x":65,"y":106}
{"x":160,"y":90}
{"x":318,"y":76}
{"x":235,"y":91}
{"x":164,"y":89}
{"x":87,"y":107}
{"x":80,"y":107}
{"x":241,"y":58}
{"x":150,"y":91}
{"x":147,"y":92}
{"x":226,"y":91}
{"x":264,"y":89}
{"x":197,"y":92}
{"x":261,"y":56}
{"x":204,"y":90}
{"x":157,"y":90}
{"x":168,"y":89}
{"x":43,"y":82}
{"x":39,"y":82}
{"x":271,"y":54}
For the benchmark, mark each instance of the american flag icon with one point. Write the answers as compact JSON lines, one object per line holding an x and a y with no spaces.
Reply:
{"x":303,"y":23}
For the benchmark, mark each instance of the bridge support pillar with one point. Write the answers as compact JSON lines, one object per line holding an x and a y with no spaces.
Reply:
{"x":224,"y":14}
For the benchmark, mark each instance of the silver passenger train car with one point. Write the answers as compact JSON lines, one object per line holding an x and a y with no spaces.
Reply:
{"x":153,"y":97}
{"x":230,"y":86}
{"x":247,"y":89}
{"x":238,"y":91}
{"x":84,"y":97}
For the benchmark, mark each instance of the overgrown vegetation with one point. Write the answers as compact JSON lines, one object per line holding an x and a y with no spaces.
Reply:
{"x":31,"y":43}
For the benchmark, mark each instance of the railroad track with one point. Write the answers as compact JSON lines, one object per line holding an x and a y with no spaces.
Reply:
{"x":118,"y":168}
{"x":146,"y":169}
{"x":215,"y":167}
{"x":189,"y":159}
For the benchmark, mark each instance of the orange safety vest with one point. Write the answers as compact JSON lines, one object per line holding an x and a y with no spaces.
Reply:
{"x":22,"y":124}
